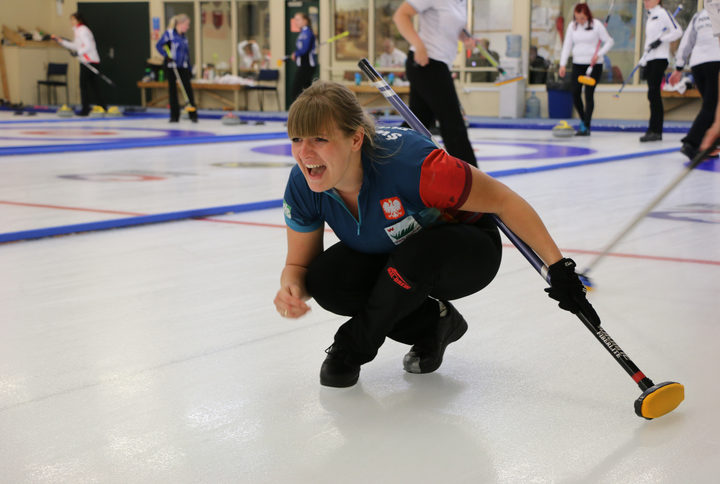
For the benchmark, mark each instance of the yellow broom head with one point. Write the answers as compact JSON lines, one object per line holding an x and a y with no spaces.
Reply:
{"x":659,"y":400}
{"x":587,"y":80}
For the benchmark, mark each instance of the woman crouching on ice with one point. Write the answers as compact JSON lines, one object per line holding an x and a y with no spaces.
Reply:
{"x":412,"y":235}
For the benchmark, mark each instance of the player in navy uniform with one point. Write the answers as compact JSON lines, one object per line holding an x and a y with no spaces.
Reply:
{"x":175,"y":38}
{"x":304,"y":55}
{"x":412,"y":235}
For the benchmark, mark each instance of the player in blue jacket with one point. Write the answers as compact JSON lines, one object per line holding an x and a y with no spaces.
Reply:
{"x":304,"y":55}
{"x":179,"y":57}
{"x":412,"y":235}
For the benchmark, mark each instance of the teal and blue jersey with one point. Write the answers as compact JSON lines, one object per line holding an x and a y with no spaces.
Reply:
{"x":408,"y":184}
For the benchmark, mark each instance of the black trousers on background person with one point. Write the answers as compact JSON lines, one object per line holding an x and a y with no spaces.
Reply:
{"x":706,"y":80}
{"x":173,"y":92}
{"x":654,"y":73}
{"x":585,"y":111}
{"x":90,"y":89}
{"x":389,"y":295}
{"x":433,"y":97}
{"x":303,"y":79}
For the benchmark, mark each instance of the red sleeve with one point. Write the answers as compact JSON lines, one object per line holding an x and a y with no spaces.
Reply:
{"x":444,"y":180}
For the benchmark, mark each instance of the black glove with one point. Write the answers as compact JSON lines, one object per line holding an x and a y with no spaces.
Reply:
{"x":567,"y":289}
{"x":655,"y":44}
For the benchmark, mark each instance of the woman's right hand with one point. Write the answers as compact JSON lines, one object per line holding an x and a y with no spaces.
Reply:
{"x":561,"y":71}
{"x":421,"y":56}
{"x":675,"y":77}
{"x":290,"y":301}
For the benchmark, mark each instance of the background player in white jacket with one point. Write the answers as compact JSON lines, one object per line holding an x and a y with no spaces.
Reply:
{"x":660,"y":30}
{"x":581,"y":39}
{"x":701,"y":51}
{"x":713,"y":134}
{"x":83,"y":44}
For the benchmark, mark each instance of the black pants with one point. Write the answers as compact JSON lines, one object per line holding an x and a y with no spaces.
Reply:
{"x":706,"y":80}
{"x":302,"y":80}
{"x":90,"y":89}
{"x":433,"y":97}
{"x":654,"y":72}
{"x":388,"y":295}
{"x":173,"y":92}
{"x":585,"y":111}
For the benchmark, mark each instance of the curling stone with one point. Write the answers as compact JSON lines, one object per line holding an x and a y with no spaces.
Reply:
{"x":97,"y":112}
{"x":563,"y":130}
{"x":230,"y":119}
{"x":65,"y":111}
{"x":113,"y":112}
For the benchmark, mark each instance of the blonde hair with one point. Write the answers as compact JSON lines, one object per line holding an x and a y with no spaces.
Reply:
{"x":177,"y":19}
{"x":326,"y":104}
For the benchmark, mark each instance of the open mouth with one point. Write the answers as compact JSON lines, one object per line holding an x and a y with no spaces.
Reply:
{"x":315,"y":170}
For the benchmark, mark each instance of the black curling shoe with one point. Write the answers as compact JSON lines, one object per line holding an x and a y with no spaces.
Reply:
{"x":427,"y":356}
{"x":651,"y":136}
{"x":336,"y":372}
{"x":689,"y":150}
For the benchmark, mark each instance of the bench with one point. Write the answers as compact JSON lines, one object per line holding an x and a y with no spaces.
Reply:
{"x":681,"y":99}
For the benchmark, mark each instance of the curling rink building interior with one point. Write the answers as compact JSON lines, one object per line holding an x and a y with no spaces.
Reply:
{"x":139,"y":261}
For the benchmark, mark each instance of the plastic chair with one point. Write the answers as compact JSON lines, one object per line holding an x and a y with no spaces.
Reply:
{"x":54,"y":71}
{"x":267,"y":80}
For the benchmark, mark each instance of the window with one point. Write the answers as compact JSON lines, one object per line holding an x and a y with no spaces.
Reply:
{"x":217,"y":48}
{"x":491,"y":24}
{"x":352,"y":15}
{"x":547,"y":31}
{"x":253,"y":34}
{"x":550,"y":20}
{"x":620,"y":61}
{"x":390,"y":46}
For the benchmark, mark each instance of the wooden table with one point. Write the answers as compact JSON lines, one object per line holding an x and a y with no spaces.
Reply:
{"x":212,"y":89}
{"x":690,"y":93}
{"x":683,"y":99}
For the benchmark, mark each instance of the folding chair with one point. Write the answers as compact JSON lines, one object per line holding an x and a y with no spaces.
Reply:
{"x":51,"y":81}
{"x":267,"y":80}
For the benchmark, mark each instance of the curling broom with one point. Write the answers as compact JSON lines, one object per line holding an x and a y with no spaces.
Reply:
{"x":188,"y":106}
